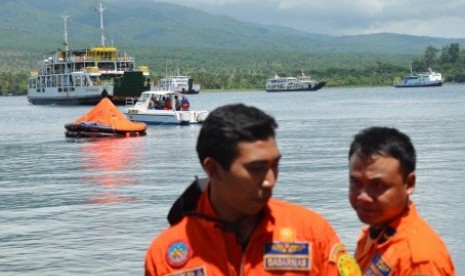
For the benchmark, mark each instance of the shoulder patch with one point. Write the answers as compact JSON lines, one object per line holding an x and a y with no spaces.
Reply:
{"x":178,"y":253}
{"x":348,"y":266}
{"x":336,"y":250}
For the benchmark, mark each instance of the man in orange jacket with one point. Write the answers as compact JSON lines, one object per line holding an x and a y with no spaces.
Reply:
{"x":397,"y":240}
{"x":228,"y":224}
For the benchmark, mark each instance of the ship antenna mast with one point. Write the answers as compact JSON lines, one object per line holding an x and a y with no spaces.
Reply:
{"x":65,"y":19}
{"x":102,"y":35}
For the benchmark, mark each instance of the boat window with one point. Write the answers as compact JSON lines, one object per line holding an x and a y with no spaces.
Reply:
{"x":144,"y":97}
{"x":78,"y":80}
{"x":67,"y":80}
{"x":32,"y":83}
{"x":95,"y":80}
{"x":106,"y":66}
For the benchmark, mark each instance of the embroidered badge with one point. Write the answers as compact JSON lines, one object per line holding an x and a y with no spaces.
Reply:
{"x":198,"y":271}
{"x":178,"y":253}
{"x":336,"y":250}
{"x":287,"y":234}
{"x":378,"y":266}
{"x":347,"y":266}
{"x":288,"y":256}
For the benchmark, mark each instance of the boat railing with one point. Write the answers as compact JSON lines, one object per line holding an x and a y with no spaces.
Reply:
{"x":126,"y":58}
{"x":130,"y":101}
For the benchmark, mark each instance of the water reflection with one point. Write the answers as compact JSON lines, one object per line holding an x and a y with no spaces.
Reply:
{"x":110,"y":165}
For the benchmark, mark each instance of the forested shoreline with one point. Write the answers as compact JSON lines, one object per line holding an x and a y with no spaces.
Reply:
{"x":223,"y":69}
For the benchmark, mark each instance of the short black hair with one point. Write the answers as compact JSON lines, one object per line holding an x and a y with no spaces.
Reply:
{"x":228,"y":125}
{"x":385,"y":141}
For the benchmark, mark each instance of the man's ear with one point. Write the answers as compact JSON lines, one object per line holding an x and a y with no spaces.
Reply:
{"x":410,"y":181}
{"x":212,"y":167}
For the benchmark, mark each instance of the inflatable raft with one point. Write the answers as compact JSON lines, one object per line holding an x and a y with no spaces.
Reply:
{"x":104,"y":120}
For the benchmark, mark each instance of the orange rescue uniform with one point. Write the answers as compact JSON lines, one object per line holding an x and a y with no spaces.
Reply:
{"x":288,"y":240}
{"x":408,"y":246}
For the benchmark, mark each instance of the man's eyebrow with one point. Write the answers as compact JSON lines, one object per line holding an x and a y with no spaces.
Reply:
{"x":264,"y":161}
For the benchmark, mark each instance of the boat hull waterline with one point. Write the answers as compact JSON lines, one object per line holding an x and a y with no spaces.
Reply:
{"x":317,"y":87}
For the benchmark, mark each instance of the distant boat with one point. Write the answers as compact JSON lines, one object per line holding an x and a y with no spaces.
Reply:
{"x":300,"y":83}
{"x":425,"y":79}
{"x":83,"y":77}
{"x":178,"y":83}
{"x":104,"y":120}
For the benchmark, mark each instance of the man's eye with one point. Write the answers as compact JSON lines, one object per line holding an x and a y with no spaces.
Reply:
{"x":258,"y":169}
{"x":379,"y":185}
{"x":354,"y":183}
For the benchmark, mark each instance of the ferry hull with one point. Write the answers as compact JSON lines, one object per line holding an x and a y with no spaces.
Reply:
{"x":418,"y":85}
{"x":309,"y":88}
{"x":65,"y":101}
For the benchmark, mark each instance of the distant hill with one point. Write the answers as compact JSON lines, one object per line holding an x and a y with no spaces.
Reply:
{"x":33,"y":25}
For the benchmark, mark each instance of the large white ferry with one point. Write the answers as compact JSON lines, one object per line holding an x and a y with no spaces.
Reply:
{"x":84,"y":76}
{"x":300,"y":83}
{"x":425,"y":79}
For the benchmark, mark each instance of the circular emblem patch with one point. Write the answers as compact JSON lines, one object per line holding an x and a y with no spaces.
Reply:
{"x":347,"y":266}
{"x":178,"y":254}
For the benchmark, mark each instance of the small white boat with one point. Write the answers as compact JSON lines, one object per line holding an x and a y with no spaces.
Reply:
{"x":164,"y":107}
{"x":426,"y":79}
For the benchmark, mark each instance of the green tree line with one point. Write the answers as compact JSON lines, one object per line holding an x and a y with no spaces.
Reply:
{"x":450,"y":60}
{"x":221,"y":69}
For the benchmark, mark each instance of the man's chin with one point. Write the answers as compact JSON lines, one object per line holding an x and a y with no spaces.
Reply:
{"x":368,"y":219}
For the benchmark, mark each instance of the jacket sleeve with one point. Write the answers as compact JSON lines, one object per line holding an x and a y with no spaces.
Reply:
{"x":150,"y":268}
{"x":335,"y":258}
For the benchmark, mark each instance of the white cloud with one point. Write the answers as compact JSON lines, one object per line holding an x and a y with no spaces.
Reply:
{"x":346,"y":17}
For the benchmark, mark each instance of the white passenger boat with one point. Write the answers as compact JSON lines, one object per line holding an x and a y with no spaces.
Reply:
{"x":164,"y":107}
{"x":84,"y":76}
{"x":300,"y":83}
{"x":425,"y":79}
{"x":178,"y":83}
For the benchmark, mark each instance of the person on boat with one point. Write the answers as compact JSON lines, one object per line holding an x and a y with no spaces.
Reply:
{"x":177,"y":103}
{"x":397,"y":240}
{"x":161,"y":103}
{"x":168,"y":104}
{"x":185,"y":103}
{"x":153,"y":103}
{"x":229,"y":224}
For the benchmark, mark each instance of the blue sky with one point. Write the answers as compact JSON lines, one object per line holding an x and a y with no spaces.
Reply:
{"x":442,"y":18}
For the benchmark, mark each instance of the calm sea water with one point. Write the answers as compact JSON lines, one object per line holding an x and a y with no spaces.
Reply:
{"x":91,"y":207}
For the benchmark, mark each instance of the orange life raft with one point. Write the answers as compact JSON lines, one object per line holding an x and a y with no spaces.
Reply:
{"x":104,"y":120}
